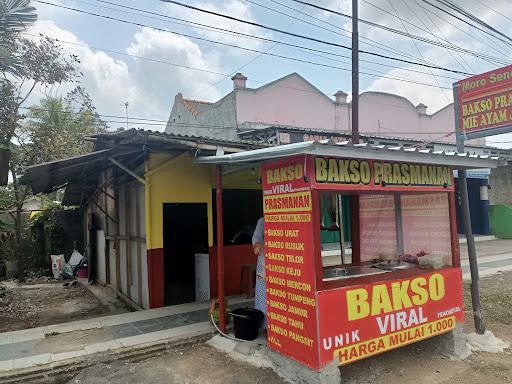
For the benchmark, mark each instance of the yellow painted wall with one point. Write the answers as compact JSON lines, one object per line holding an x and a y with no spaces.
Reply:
{"x":244,"y":179}
{"x":180,"y":181}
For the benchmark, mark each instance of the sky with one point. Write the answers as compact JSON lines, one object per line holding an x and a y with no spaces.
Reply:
{"x":139,"y":61}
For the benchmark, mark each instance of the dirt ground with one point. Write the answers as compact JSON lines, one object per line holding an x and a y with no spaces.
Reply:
{"x":194,"y":364}
{"x":418,"y":363}
{"x":45,"y":301}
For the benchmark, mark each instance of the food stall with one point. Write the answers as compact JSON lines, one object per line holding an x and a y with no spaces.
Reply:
{"x":400,"y":283}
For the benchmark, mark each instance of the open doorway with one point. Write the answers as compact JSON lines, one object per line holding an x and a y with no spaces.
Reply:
{"x":185,"y":227}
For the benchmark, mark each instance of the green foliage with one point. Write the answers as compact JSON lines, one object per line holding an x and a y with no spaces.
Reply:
{"x":43,"y":64}
{"x":43,"y":216}
{"x":54,"y":129}
{"x":8,"y":111}
{"x":15,"y":16}
{"x":7,"y":197}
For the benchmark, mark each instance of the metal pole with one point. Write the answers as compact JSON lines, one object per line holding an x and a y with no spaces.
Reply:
{"x":354,"y":199}
{"x":355,"y":73}
{"x":466,"y":218}
{"x":126,"y":108}
{"x":399,"y":225}
{"x":220,"y":250}
{"x":339,"y":213}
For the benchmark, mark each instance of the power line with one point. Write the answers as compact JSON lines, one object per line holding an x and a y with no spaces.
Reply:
{"x":402,"y":20}
{"x":308,"y":37}
{"x":247,"y":49}
{"x":374,"y":43}
{"x":157,"y":122}
{"x":227,"y":31}
{"x":250,"y":61}
{"x":169,"y":63}
{"x":231,"y":32}
{"x":414,"y":25}
{"x":494,"y":10}
{"x":416,"y":37}
{"x":452,"y":54}
{"x":474,"y":18}
{"x":464,"y":21}
{"x":244,"y":48}
{"x":416,"y":46}
{"x":472,"y":36}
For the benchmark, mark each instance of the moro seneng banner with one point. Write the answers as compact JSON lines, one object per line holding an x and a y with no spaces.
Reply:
{"x":368,"y":174}
{"x":362,"y":321}
{"x":485,"y":101}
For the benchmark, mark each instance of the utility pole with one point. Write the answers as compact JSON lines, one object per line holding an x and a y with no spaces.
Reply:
{"x":466,"y":218}
{"x":355,"y":73}
{"x":126,"y":109}
{"x":354,"y":199}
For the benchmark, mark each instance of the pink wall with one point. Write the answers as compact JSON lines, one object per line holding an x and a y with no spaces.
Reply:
{"x":293,"y":101}
{"x":391,"y":115}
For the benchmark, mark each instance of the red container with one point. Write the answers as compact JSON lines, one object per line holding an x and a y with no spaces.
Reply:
{"x":82,"y":272}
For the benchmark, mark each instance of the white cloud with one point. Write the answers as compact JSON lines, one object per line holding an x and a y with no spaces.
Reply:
{"x":106,"y":79}
{"x":148,"y":87}
{"x":45,"y":11}
{"x":454,"y":32}
{"x":162,"y":82}
{"x":236,"y":8}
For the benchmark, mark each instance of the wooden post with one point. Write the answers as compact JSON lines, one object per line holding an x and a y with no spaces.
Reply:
{"x":117,"y":242}
{"x":128,"y":242}
{"x":220,"y":250}
{"x":138,"y":241}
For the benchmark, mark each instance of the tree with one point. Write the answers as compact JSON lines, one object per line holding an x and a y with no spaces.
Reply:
{"x":44,"y":64}
{"x":15,"y":16}
{"x":28,"y":137}
{"x":54,"y":129}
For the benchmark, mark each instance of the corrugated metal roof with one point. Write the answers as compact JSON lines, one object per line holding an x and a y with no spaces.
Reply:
{"x":357,"y":151}
{"x":326,"y":132}
{"x":45,"y":177}
{"x":202,"y":139}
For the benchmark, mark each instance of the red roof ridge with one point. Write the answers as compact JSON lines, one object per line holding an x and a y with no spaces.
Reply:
{"x":188,"y":103}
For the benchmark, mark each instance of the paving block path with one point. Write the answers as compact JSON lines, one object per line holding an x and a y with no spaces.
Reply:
{"x":45,"y":345}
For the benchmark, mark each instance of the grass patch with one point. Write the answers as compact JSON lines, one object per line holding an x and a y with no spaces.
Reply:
{"x":496,"y":305}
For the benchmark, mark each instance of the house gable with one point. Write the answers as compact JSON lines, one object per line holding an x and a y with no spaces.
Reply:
{"x":290,"y":100}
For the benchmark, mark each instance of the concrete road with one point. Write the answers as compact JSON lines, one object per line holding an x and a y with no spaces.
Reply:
{"x":494,"y":256}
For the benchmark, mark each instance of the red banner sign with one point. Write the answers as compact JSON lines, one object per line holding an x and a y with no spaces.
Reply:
{"x":289,"y":262}
{"x":361,"y":321}
{"x":360,"y":174}
{"x":485,"y":101}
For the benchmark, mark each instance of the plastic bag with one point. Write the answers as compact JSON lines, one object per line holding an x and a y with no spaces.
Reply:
{"x":58,"y":262}
{"x":67,"y":272}
{"x":75,"y":259}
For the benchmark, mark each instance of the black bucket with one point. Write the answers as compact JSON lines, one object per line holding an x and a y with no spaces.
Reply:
{"x":247,"y":322}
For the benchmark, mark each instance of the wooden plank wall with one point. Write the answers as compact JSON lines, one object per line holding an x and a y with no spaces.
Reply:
{"x":120,"y":208}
